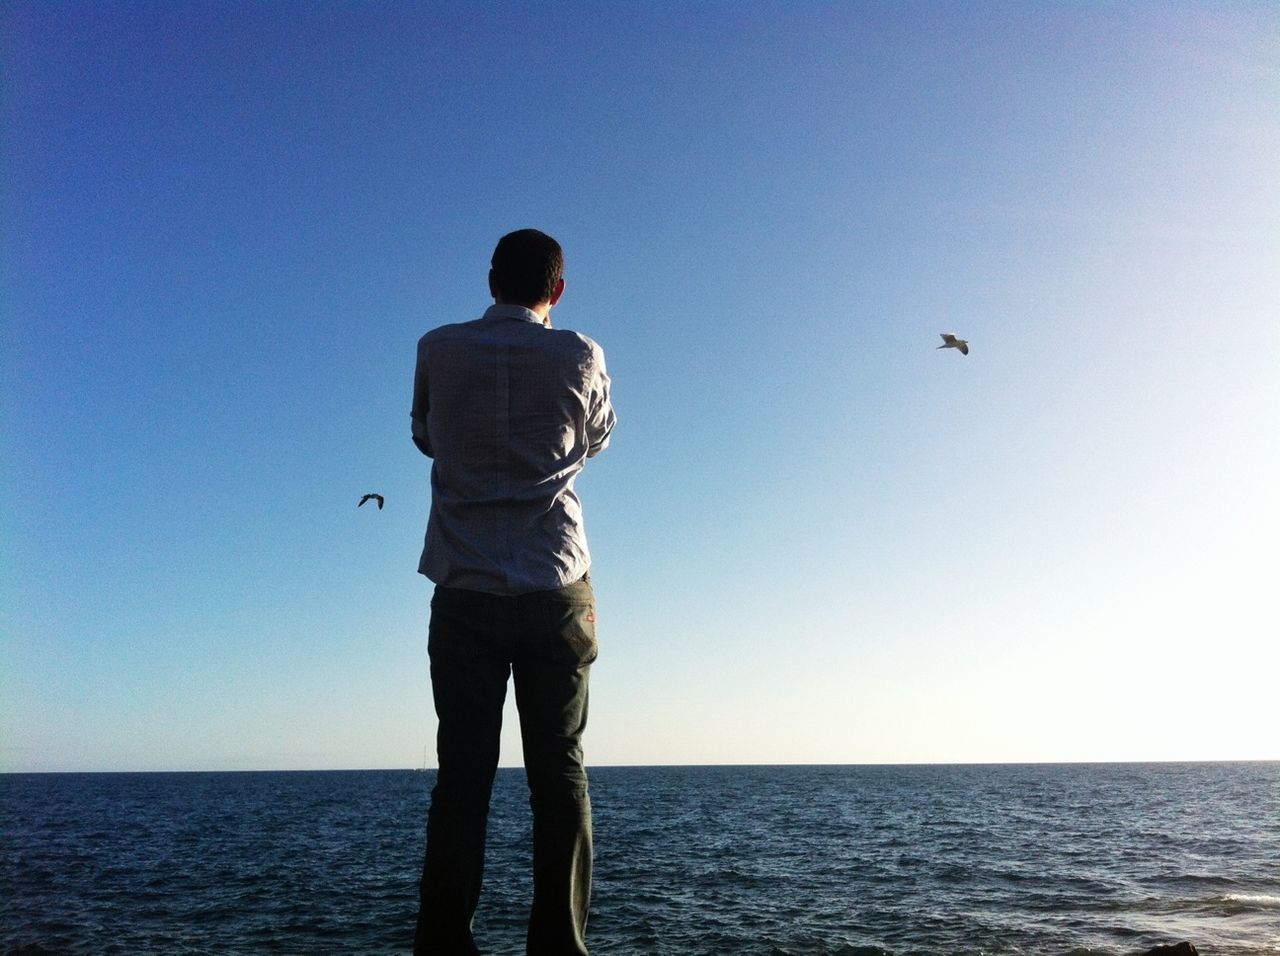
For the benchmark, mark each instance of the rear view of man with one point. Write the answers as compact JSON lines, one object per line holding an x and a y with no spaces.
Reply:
{"x":509,"y":409}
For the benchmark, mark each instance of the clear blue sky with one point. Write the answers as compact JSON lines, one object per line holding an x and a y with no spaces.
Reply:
{"x":816,"y":538}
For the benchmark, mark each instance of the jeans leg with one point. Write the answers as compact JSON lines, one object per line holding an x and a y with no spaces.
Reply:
{"x":469,"y":683}
{"x":556,"y":648}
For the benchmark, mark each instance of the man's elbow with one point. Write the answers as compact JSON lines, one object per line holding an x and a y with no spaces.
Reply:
{"x":595,"y":447}
{"x":421,"y":440}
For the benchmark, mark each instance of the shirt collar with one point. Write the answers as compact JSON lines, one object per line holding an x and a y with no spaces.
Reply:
{"x":512,"y":312}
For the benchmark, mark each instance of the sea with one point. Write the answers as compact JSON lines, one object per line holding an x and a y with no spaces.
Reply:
{"x":1061,"y":860}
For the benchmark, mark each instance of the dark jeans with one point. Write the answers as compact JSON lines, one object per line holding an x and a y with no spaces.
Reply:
{"x":547,"y":641}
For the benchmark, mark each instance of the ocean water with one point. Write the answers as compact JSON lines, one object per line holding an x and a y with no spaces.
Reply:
{"x":859,"y":861}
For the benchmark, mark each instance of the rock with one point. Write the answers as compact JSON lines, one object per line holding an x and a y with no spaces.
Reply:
{"x":1177,"y":949}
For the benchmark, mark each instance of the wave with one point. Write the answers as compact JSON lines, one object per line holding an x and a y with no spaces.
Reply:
{"x":1264,"y":901}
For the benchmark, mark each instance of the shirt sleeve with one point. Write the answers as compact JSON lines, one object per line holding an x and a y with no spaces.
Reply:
{"x":600,"y":415}
{"x":418,"y":412}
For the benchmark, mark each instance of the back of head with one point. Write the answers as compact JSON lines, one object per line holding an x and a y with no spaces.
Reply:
{"x":527,"y":267}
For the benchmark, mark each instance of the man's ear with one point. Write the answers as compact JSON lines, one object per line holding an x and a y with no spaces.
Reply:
{"x":555,"y":296}
{"x":493,"y":287}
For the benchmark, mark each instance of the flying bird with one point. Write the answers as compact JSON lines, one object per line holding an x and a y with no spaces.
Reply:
{"x":377,"y":498}
{"x":949,"y":341}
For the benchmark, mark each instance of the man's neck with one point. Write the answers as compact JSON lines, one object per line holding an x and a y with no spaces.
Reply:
{"x":542,"y":310}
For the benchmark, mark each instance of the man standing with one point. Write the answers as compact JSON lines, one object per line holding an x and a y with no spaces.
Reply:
{"x":509,"y":409}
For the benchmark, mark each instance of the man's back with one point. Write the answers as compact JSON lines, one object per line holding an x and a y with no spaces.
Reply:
{"x":510,"y":410}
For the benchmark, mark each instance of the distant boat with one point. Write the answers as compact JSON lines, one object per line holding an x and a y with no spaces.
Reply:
{"x":423,"y":768}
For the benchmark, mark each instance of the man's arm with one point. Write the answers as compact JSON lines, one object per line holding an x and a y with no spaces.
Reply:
{"x":600,"y":416}
{"x":419,"y":410}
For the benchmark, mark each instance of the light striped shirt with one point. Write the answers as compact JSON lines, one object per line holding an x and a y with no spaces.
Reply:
{"x":510,"y":411}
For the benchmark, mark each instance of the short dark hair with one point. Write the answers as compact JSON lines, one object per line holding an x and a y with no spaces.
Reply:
{"x":527,"y":267}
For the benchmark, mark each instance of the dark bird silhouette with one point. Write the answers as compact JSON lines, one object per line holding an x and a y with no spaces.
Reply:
{"x":377,"y":498}
{"x":949,"y":341}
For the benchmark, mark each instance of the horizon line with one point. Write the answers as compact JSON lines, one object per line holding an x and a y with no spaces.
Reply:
{"x":664,"y":766}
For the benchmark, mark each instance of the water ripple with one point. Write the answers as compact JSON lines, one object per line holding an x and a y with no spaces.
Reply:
{"x":760,"y":861}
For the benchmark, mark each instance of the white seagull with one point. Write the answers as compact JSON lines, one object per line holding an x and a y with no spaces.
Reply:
{"x":949,"y":341}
